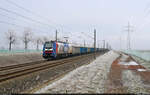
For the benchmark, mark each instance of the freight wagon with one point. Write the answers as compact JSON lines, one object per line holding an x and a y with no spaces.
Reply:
{"x":53,"y":49}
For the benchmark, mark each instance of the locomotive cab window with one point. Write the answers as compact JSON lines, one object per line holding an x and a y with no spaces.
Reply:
{"x":48,"y":45}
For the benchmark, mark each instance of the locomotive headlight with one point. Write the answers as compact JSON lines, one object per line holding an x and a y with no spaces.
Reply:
{"x":48,"y":49}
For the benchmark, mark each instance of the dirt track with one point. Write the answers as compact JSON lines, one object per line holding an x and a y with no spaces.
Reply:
{"x":130,"y":78}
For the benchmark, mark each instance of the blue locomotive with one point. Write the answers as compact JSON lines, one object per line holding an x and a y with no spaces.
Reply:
{"x":53,"y":49}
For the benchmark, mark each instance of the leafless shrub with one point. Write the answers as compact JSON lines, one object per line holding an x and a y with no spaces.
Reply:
{"x":27,"y":37}
{"x":44,"y":39}
{"x":11,"y":37}
{"x":38,"y":41}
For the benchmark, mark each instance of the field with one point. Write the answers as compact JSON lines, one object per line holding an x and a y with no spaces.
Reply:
{"x":7,"y":52}
{"x":142,"y":56}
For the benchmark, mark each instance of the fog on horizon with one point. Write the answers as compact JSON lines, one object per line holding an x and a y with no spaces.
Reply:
{"x":77,"y":20}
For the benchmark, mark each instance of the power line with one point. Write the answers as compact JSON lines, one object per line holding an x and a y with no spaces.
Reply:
{"x":18,"y":6}
{"x":29,"y":11}
{"x":94,"y":43}
{"x":103,"y":44}
{"x":13,"y":18}
{"x":33,"y":13}
{"x":141,"y":25}
{"x":8,"y":23}
{"x":25,"y":17}
{"x":147,"y":9}
{"x":87,"y":35}
{"x":8,"y":17}
{"x":36,"y":14}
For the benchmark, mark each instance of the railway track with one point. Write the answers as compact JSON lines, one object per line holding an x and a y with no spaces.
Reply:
{"x":14,"y":71}
{"x":25,"y":64}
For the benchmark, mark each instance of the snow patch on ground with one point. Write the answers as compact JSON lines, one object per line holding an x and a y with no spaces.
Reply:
{"x":141,"y":70}
{"x":85,"y":79}
{"x":128,"y":63}
{"x":133,"y":82}
{"x":142,"y":62}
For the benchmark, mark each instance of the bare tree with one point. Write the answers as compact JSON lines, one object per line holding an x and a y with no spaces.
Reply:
{"x":11,"y":37}
{"x":27,"y":37}
{"x":44,"y":39}
{"x":38,"y":41}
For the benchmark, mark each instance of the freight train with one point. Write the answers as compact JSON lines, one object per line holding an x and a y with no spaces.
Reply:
{"x":53,"y":49}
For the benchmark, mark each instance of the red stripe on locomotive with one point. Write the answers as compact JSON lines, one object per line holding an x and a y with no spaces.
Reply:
{"x":56,"y":47}
{"x":48,"y":51}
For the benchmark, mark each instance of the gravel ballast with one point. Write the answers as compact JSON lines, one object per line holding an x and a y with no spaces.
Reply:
{"x":85,"y":79}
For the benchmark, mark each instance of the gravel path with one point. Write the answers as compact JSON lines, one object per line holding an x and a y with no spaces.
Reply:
{"x":85,"y":79}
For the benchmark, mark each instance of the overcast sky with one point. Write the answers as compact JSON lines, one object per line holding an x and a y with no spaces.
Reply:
{"x":71,"y":17}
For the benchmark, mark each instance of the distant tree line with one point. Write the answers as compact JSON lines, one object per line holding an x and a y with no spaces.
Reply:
{"x":26,"y":37}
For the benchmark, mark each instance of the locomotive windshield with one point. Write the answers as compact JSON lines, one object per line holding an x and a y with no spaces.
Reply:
{"x":48,"y":45}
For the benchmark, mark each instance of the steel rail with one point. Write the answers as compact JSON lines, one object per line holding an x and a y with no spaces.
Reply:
{"x":30,"y":64}
{"x":31,"y":69}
